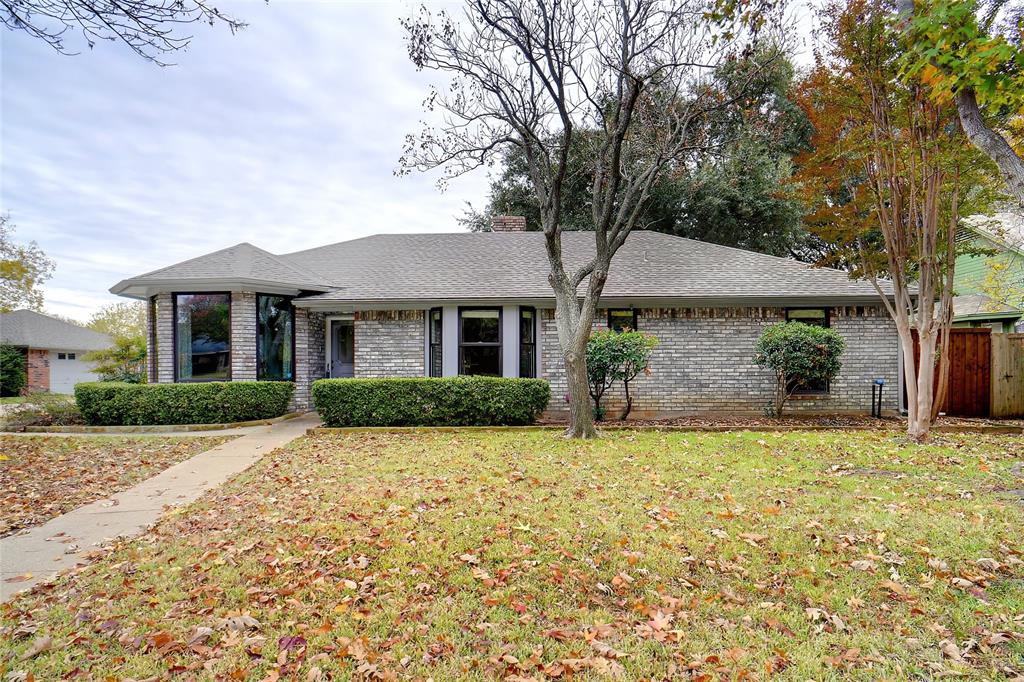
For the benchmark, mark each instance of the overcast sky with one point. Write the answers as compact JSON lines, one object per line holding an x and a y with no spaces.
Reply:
{"x":285,"y":135}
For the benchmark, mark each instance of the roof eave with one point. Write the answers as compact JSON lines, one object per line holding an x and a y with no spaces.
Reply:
{"x":334,"y":304}
{"x":143,"y":288}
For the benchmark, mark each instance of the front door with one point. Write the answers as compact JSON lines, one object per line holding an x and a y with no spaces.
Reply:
{"x":343,"y":349}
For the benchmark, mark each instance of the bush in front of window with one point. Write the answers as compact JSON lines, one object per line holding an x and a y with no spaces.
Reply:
{"x":800,"y":355}
{"x":450,"y":401}
{"x":214,"y":402}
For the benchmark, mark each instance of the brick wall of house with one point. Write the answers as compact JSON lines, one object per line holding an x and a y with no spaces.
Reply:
{"x":309,"y":354}
{"x":243,"y":336}
{"x":37,"y":369}
{"x":390,"y":343}
{"x":703,"y":362}
{"x":165,"y":339}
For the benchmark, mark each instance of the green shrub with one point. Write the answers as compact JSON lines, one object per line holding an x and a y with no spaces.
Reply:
{"x":215,"y":402}
{"x":12,"y":371}
{"x":454,"y":401}
{"x":616,"y":356}
{"x":800,"y":355}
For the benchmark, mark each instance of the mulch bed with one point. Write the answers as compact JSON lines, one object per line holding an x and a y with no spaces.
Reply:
{"x":789,"y":422}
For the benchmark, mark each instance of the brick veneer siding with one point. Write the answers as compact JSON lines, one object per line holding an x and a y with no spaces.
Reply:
{"x":37,"y":370}
{"x":243,"y":336}
{"x":165,"y":338}
{"x":703,"y":362}
{"x":390,"y":343}
{"x":309,"y":354}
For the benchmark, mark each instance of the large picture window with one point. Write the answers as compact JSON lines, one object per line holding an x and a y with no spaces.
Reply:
{"x":436,"y":344}
{"x":528,"y":342}
{"x":480,"y":341}
{"x":202,"y":337}
{"x":275,"y":328}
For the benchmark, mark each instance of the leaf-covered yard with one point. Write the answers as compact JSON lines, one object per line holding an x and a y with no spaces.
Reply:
{"x":44,"y":476}
{"x":520,"y":555}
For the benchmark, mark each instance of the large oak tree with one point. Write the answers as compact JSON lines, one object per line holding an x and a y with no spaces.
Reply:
{"x":627,"y":82}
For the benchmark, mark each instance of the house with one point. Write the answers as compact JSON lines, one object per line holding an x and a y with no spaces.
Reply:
{"x":989,"y":280}
{"x":979,"y":310}
{"x":408,"y":305}
{"x":54,"y":349}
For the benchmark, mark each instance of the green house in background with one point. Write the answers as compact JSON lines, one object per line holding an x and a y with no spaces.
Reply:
{"x":990,"y":287}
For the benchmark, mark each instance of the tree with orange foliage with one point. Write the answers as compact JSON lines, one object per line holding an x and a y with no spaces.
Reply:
{"x":890,"y":175}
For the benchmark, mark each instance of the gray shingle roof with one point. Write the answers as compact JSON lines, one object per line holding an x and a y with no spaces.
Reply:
{"x":980,"y":304}
{"x":470,"y":266}
{"x":35,"y":330}
{"x":239,"y":263}
{"x":488,"y":265}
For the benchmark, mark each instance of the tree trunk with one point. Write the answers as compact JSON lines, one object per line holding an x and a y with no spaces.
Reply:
{"x":991,"y":143}
{"x":573,"y":334}
{"x":581,"y":419}
{"x":919,"y":407}
{"x":629,"y":401}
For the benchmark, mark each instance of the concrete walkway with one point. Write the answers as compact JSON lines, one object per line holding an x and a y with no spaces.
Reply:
{"x":63,"y":542}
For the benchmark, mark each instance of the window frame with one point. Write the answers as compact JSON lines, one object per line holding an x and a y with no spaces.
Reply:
{"x":631,"y":311}
{"x":174,"y":328}
{"x":430,"y":343}
{"x":500,"y":344}
{"x":827,"y":310}
{"x":291,"y":310}
{"x":813,"y":391}
{"x":532,"y":343}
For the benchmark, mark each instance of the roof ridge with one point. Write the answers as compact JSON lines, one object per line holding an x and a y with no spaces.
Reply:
{"x":193,"y":259}
{"x":302,"y":271}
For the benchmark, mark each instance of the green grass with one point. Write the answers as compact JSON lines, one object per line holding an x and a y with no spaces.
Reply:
{"x":13,"y":400}
{"x":475,"y":555}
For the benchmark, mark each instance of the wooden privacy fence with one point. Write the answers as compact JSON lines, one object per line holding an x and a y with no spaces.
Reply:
{"x":1007,"y":375}
{"x":986,"y":374}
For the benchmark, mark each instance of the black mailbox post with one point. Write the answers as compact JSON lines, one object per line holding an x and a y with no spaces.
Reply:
{"x":876,"y":403}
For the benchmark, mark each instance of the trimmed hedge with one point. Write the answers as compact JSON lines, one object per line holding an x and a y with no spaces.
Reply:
{"x":217,"y":402}
{"x":454,"y":401}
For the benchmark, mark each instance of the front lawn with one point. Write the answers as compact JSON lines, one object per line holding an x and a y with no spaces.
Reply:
{"x":45,"y":476}
{"x":519,"y":555}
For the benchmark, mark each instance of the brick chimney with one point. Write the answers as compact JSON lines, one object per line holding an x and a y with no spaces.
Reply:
{"x":508,"y":223}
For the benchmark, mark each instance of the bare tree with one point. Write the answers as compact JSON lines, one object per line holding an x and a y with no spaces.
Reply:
{"x":150,"y":28}
{"x":626,"y":80}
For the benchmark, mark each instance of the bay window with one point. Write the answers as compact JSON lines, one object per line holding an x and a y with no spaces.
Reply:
{"x":202,"y":337}
{"x":275,"y":330}
{"x":480,"y":341}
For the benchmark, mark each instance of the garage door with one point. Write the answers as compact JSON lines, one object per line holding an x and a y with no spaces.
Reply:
{"x":67,"y":368}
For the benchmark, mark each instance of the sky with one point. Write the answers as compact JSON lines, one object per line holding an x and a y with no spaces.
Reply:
{"x":286,"y":135}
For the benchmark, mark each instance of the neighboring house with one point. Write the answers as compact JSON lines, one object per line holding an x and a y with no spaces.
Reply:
{"x":54,"y":349}
{"x":409,"y":305}
{"x":979,"y":310}
{"x":998,"y":275}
